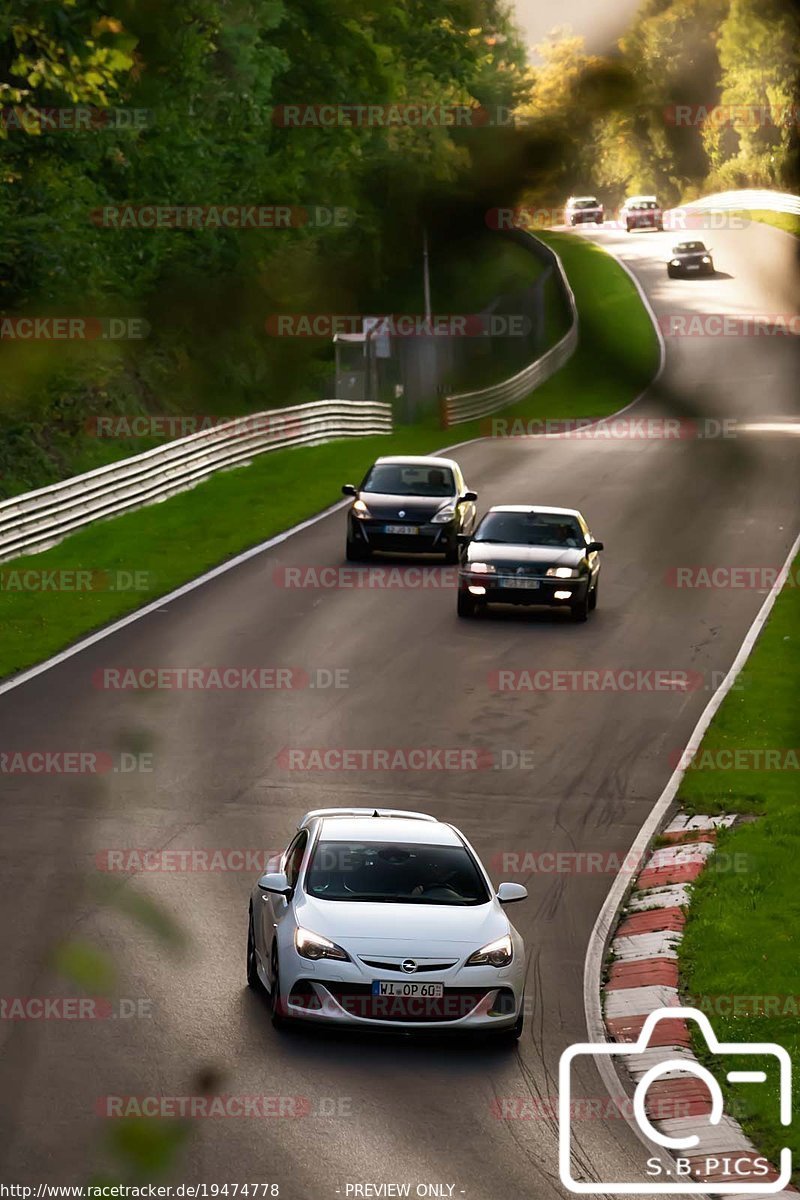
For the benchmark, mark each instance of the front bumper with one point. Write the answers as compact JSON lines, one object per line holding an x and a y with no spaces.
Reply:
{"x":692,"y":268}
{"x":475,"y":998}
{"x":497,"y":591}
{"x":586,"y":217}
{"x":427,"y":538}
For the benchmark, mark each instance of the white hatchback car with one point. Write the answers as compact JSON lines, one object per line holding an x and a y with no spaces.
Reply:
{"x":383,"y":918}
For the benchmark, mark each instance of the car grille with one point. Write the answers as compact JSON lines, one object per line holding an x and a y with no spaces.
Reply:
{"x":357,"y":1000}
{"x":527,"y":571}
{"x":422,"y":965}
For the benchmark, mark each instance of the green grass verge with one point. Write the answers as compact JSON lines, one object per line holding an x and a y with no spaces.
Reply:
{"x":787,"y":221}
{"x":170,"y":543}
{"x":743,"y":933}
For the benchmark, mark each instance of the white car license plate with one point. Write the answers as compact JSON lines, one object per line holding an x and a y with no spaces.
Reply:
{"x":401,"y":529}
{"x":394,"y":987}
{"x":693,"y":267}
{"x":521,"y":582}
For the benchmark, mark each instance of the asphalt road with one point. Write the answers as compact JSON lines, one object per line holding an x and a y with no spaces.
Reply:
{"x":588,"y":769}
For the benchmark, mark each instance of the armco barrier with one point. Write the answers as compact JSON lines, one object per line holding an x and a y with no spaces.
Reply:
{"x":38,"y":519}
{"x":467,"y":406}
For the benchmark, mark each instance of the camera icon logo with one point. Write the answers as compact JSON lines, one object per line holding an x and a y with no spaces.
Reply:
{"x":699,"y":1143}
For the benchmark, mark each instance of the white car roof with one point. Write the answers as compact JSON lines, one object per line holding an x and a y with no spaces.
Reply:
{"x":535,"y":508}
{"x":418,"y":460}
{"x":388,"y":829}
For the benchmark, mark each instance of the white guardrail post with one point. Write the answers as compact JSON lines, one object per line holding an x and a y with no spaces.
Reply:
{"x":39,"y":519}
{"x":467,"y":406}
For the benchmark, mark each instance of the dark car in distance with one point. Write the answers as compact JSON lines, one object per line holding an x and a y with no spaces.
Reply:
{"x":409,"y":505}
{"x":690,"y":258}
{"x":531,"y":555}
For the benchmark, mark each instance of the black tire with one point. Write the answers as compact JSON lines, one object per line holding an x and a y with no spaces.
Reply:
{"x":451,"y":554}
{"x":355,"y":553}
{"x":465,"y":605}
{"x":510,"y":1037}
{"x":598,"y":220}
{"x":580,"y":609}
{"x":628,"y":226}
{"x":278,"y":1018}
{"x":593,"y":597}
{"x":253,"y":980}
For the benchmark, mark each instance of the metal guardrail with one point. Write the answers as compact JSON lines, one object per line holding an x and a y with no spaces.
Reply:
{"x":36,"y":520}
{"x":467,"y":406}
{"x":754,"y":199}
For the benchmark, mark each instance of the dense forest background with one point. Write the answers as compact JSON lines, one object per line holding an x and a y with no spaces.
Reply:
{"x":199,"y":83}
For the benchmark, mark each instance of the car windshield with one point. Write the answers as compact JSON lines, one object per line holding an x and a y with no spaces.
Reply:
{"x":399,"y":479}
{"x":531,"y":529}
{"x":588,"y":203}
{"x":395,"y":873}
{"x":689,"y":248}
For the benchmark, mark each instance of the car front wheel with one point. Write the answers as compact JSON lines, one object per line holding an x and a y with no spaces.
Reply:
{"x":356,"y":553}
{"x":465,"y":605}
{"x":275,"y":1001}
{"x":253,"y":979}
{"x":580,"y":608}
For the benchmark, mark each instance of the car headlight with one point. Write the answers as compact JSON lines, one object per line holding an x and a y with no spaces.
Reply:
{"x":499,"y":953}
{"x":706,"y":258}
{"x":443,"y":515}
{"x":314,"y":946}
{"x":479,"y":568}
{"x":360,"y":509}
{"x":562,"y":572}
{"x":676,"y":262}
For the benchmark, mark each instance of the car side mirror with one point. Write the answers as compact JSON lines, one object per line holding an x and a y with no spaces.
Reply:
{"x":470,"y":496}
{"x":349,"y":489}
{"x":276,"y":883}
{"x":591,"y":546}
{"x":463,"y":539}
{"x":510,"y":893}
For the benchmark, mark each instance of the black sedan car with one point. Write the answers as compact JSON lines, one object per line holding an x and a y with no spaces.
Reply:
{"x":690,"y":258}
{"x":530,"y":555}
{"x":409,"y":505}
